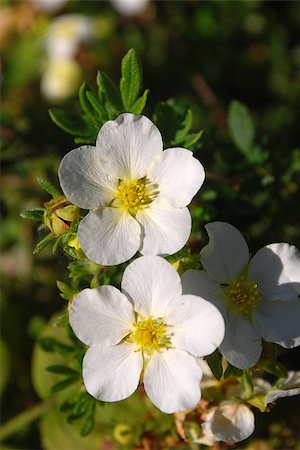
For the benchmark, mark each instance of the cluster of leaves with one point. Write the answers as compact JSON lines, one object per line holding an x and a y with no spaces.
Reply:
{"x":97,"y":107}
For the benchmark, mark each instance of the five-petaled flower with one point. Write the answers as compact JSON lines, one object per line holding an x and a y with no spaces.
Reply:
{"x":257,"y":297}
{"x":148,"y":332}
{"x":137,"y":193}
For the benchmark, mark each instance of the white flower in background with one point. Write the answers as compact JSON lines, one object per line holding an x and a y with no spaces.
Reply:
{"x":284,"y":387}
{"x":66,"y":33}
{"x":130,"y":7}
{"x":49,"y":5}
{"x":231,"y":422}
{"x":257,"y":297}
{"x":61,"y":79}
{"x":137,"y":192}
{"x":150,"y":330}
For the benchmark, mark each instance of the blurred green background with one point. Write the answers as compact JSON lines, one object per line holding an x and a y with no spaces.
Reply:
{"x":203,"y":54}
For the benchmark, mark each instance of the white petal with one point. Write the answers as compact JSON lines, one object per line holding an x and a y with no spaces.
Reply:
{"x":241,"y":345}
{"x":109,"y":236}
{"x":83,"y":180}
{"x":172,"y":381}
{"x":276,"y":270}
{"x":197,"y":326}
{"x":129,"y":146}
{"x":151,"y":282}
{"x":230,"y":423}
{"x":287,"y":388}
{"x":112,"y":374}
{"x":179,"y":177}
{"x":101,"y":316}
{"x":164,"y":231}
{"x":198,"y":282}
{"x":226,"y":254}
{"x":278,"y":322}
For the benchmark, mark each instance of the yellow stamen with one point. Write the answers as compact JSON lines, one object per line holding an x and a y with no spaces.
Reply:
{"x":150,"y":335}
{"x":133,"y":195}
{"x":242,"y":295}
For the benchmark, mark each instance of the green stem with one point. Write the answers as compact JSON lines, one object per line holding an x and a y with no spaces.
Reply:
{"x":26,"y":417}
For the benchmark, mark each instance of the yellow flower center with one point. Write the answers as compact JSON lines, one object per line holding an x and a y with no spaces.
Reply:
{"x":242,"y":295}
{"x":133,"y":195}
{"x":150,"y":335}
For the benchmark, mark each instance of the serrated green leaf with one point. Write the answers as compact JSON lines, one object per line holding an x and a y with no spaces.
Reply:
{"x":73,"y":123}
{"x":140,"y":103}
{"x":215,"y":363}
{"x":241,"y":126}
{"x":96,"y":103}
{"x":43,"y":243}
{"x":35,"y":214}
{"x":61,"y":385}
{"x":48,"y":187}
{"x":131,"y":81}
{"x":111,"y":94}
{"x":61,"y":370}
{"x":191,"y":139}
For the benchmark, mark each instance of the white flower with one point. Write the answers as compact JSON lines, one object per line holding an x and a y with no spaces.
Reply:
{"x":49,"y":5}
{"x":286,"y":387}
{"x":231,"y":422}
{"x":130,"y":7}
{"x":61,"y":79}
{"x":66,"y":33}
{"x":151,"y":329}
{"x":138,"y":193}
{"x":258,"y":298}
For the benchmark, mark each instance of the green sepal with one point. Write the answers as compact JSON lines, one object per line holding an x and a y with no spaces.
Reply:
{"x":215,"y":363}
{"x":43,"y":243}
{"x":36,"y":214}
{"x":73,"y":123}
{"x":48,"y":187}
{"x":131,"y":81}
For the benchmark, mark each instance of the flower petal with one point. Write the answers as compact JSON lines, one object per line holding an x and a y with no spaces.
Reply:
{"x":230,"y":423}
{"x":285,"y":388}
{"x":164,"y":231}
{"x":101,"y":316}
{"x":241,"y":345}
{"x":129,"y":145}
{"x":151,"y":282}
{"x":172,"y":381}
{"x":276,"y":270}
{"x":179,"y":177}
{"x":109,"y":236}
{"x":197,"y":326}
{"x":226,"y":254}
{"x":198,"y":282}
{"x":112,"y":374}
{"x":83,"y":180}
{"x":278,"y":322}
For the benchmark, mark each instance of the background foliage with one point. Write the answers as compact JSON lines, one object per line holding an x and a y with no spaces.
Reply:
{"x":236,"y":67}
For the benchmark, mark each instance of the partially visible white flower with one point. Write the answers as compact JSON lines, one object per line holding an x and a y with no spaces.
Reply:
{"x":49,"y":5}
{"x":257,"y":297}
{"x":151,"y":329}
{"x":231,"y":422}
{"x":286,"y":387}
{"x":137,"y":192}
{"x":61,"y":79}
{"x":66,"y":33}
{"x":130,"y":7}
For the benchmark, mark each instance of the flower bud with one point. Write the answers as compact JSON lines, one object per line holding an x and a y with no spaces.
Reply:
{"x":59,"y":215}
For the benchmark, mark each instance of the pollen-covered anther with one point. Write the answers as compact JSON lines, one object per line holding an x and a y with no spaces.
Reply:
{"x":243,"y":295}
{"x":150,"y":335}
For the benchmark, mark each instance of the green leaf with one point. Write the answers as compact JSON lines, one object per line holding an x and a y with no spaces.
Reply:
{"x":61,"y":370}
{"x":86,"y":105}
{"x":215,"y":363}
{"x":192,"y":139}
{"x":185,"y":127}
{"x":50,"y":344}
{"x":95,"y":102}
{"x":48,"y":187}
{"x":73,"y":123}
{"x":61,"y":385}
{"x":43,"y":243}
{"x":131,"y":81}
{"x":275,"y":368}
{"x":35,"y":214}
{"x":232,"y":371}
{"x":86,"y":140}
{"x":110,"y":93}
{"x":140,"y":103}
{"x":67,"y":293}
{"x":247,"y":383}
{"x":241,"y":126}
{"x":88,"y":421}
